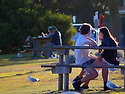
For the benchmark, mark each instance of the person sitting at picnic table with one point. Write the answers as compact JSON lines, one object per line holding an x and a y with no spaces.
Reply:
{"x":55,"y":35}
{"x":82,"y":57}
{"x":107,"y":56}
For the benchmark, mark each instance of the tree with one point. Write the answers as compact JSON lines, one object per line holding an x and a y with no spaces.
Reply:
{"x":18,"y":19}
{"x":83,"y":9}
{"x":22,"y":18}
{"x":62,"y":22}
{"x":114,"y":17}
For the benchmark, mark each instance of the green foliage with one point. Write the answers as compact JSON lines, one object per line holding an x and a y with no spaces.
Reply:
{"x":71,"y":59}
{"x":22,"y":18}
{"x":62,"y":22}
{"x":120,"y":53}
{"x":17,"y":21}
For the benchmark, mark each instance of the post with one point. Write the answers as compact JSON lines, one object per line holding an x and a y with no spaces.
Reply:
{"x":66,"y":79}
{"x":36,"y":45}
{"x":124,"y":69}
{"x":60,"y":79}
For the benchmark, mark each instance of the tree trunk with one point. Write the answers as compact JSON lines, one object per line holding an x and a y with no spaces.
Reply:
{"x":114,"y":18}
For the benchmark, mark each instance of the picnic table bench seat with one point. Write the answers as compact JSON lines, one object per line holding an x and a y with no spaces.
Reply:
{"x":65,"y":68}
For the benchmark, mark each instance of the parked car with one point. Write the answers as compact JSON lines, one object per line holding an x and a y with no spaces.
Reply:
{"x":77,"y":26}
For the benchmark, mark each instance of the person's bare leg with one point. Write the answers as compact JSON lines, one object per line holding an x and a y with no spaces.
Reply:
{"x":97,"y":62}
{"x":105,"y":78}
{"x":81,"y":74}
{"x":104,"y":70}
{"x":105,"y":74}
{"x":87,"y":83}
{"x":92,"y":75}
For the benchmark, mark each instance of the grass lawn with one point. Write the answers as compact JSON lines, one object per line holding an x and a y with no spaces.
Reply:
{"x":14,"y":72}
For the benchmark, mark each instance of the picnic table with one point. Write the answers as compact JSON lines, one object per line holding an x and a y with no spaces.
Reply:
{"x":65,"y":68}
{"x":38,"y":43}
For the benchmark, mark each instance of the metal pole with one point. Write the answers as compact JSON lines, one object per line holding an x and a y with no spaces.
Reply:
{"x":124,"y":69}
{"x":60,"y":79}
{"x":66,"y":79}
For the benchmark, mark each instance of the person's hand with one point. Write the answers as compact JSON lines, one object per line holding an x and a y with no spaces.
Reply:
{"x":99,"y":58}
{"x":100,"y":50}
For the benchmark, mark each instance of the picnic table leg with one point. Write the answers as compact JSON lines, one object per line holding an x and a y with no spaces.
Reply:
{"x":124,"y":69}
{"x":36,"y":45}
{"x":60,"y":79}
{"x":66,"y":79}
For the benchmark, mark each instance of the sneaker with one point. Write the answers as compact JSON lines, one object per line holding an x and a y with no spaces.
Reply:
{"x":76,"y":85}
{"x":57,"y":56}
{"x":84,"y":87}
{"x":51,"y":56}
{"x":76,"y":79}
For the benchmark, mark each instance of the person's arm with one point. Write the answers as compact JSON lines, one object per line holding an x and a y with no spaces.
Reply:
{"x":91,"y":42}
{"x":99,"y":58}
{"x":92,"y":57}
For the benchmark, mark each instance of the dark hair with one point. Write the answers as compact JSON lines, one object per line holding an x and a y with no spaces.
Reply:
{"x":85,"y":28}
{"x":54,"y":27}
{"x":106,"y":33}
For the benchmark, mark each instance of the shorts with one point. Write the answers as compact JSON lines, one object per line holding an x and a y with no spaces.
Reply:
{"x":89,"y":62}
{"x":103,"y":60}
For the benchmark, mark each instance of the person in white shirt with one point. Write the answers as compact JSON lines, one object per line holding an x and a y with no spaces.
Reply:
{"x":82,"y":57}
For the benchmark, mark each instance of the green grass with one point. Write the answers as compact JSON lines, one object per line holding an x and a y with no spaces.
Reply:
{"x":14,"y":72}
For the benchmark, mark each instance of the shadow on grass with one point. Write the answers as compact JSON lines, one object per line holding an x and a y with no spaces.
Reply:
{"x":121,"y":91}
{"x":47,"y":69}
{"x":20,"y":74}
{"x":18,"y":62}
{"x":12,"y":59}
{"x":90,"y":91}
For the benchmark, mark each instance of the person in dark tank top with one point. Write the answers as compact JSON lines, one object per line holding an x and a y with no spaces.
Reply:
{"x":109,"y":56}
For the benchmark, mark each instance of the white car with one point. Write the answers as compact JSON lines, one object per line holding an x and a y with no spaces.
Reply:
{"x":92,"y":35}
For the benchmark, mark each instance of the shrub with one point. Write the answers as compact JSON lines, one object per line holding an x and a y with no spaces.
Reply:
{"x":63,"y":24}
{"x":120,"y":53}
{"x":21,"y":18}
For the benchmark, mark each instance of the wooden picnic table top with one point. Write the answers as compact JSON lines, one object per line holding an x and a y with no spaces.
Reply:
{"x":79,"y":47}
{"x":46,"y":38}
{"x":80,"y":66}
{"x":85,"y":47}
